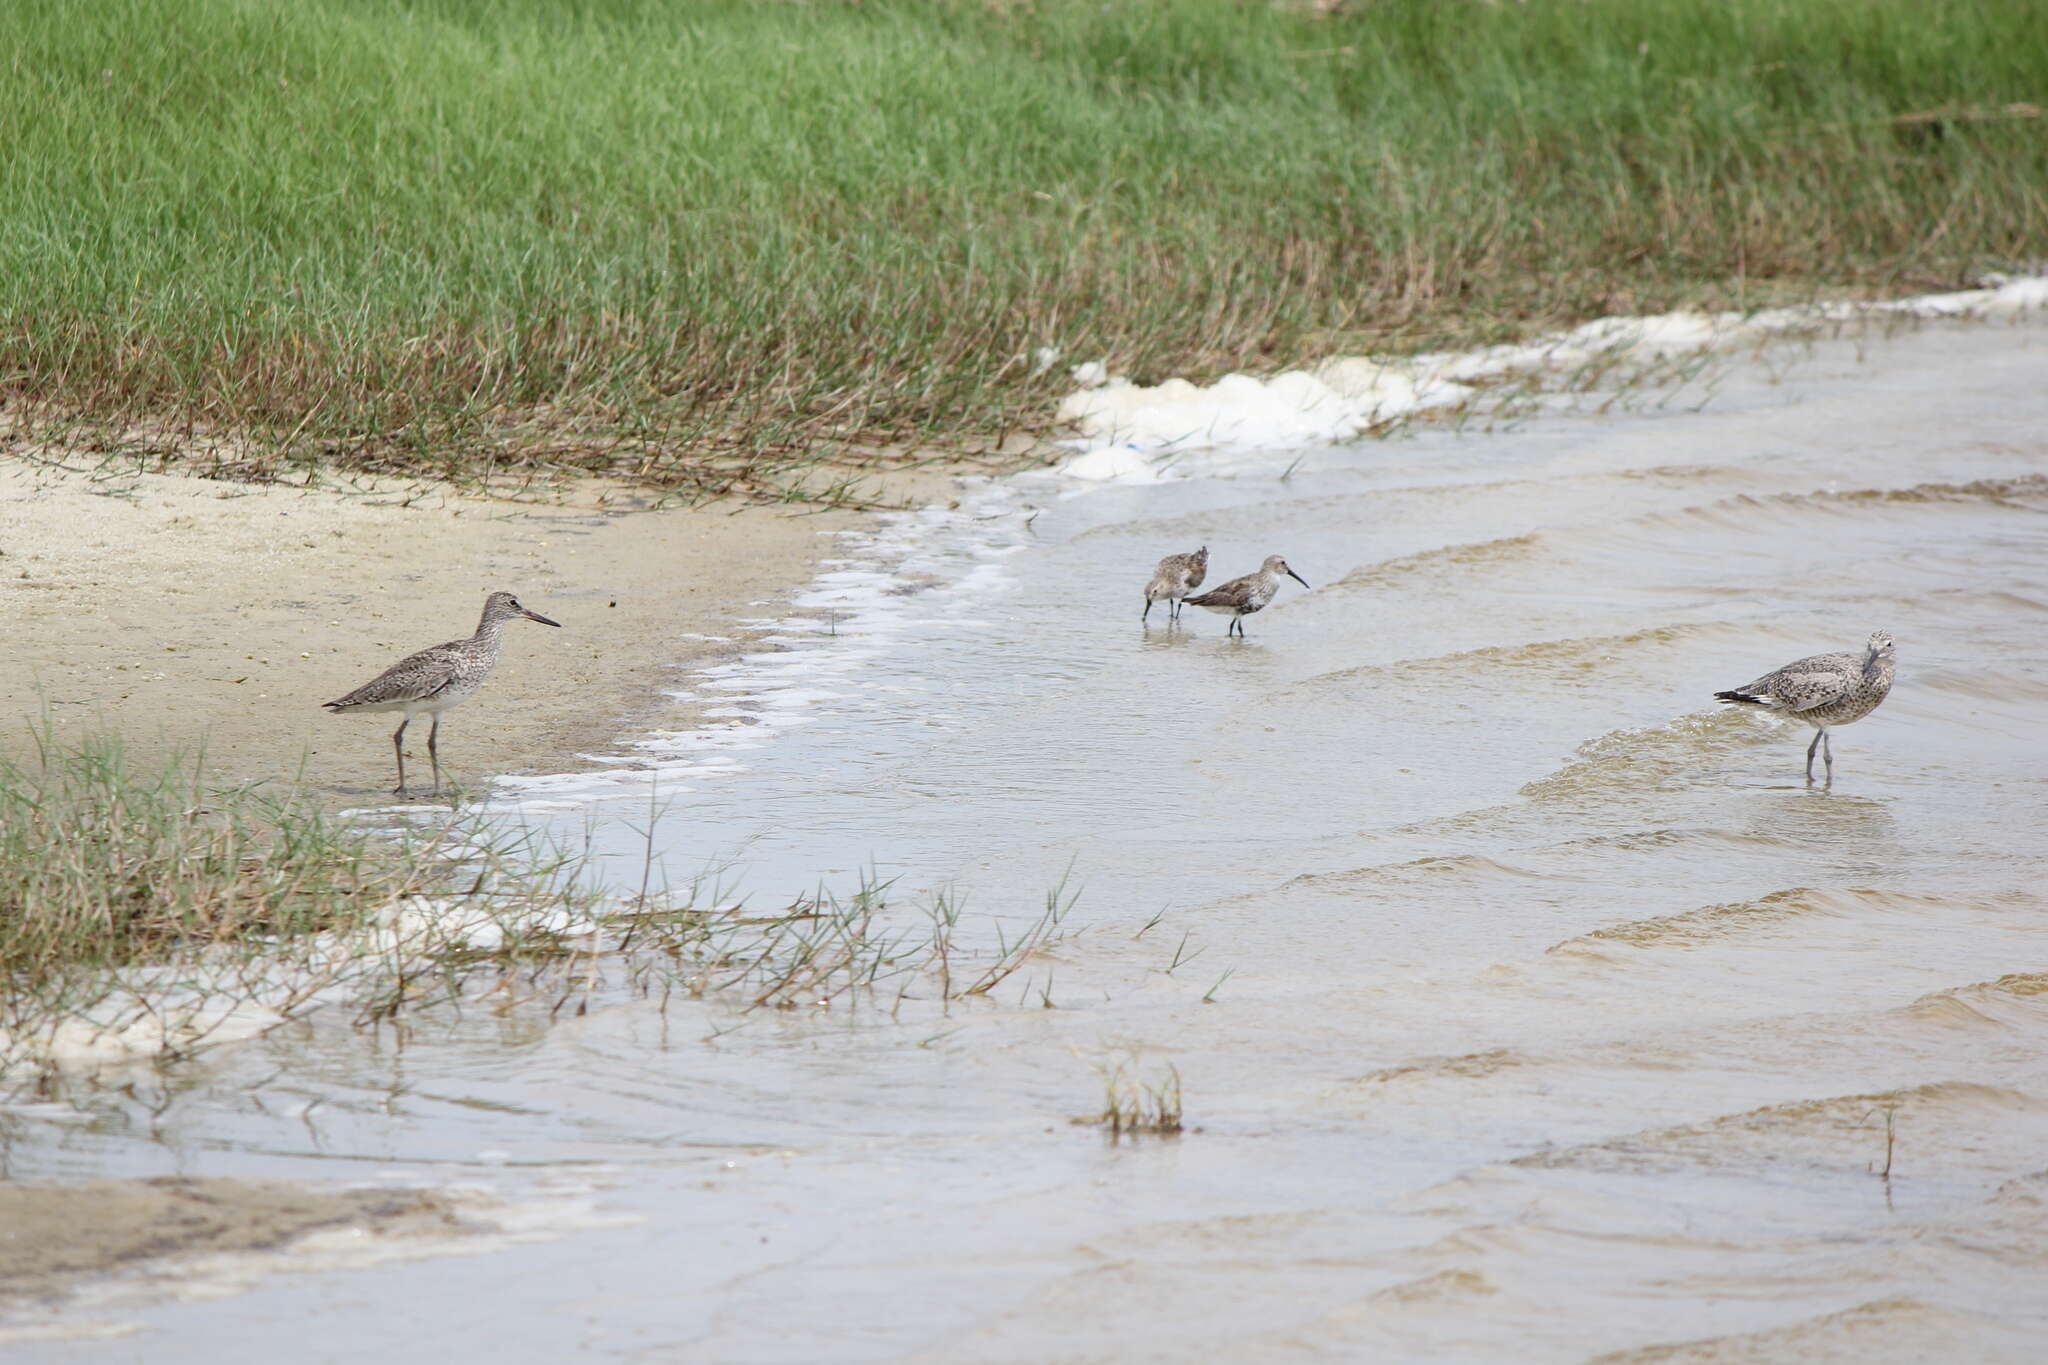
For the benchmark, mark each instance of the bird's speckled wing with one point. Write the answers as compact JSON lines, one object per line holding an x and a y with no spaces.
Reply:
{"x":1236,"y":591}
{"x":416,"y":677}
{"x":1176,"y":575}
{"x":1808,"y":683}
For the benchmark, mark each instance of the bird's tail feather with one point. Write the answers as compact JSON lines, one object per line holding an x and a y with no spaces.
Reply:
{"x":1743,"y":697}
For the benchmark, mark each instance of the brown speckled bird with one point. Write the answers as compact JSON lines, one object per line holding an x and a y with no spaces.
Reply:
{"x":1240,"y":597}
{"x":435,"y":679}
{"x":1174,"y":579}
{"x":1824,"y":690}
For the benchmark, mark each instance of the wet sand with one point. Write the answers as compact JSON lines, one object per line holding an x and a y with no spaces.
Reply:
{"x":54,"y":1236}
{"x":177,"y":612}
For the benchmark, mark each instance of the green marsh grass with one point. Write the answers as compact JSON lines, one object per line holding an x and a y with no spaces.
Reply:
{"x":102,"y":869}
{"x":144,"y":912}
{"x":697,"y":244}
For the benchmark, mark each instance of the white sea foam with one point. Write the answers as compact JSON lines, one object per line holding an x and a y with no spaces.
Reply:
{"x":1337,"y":400}
{"x":914,"y":571}
{"x":1349,"y":396}
{"x":131,"y":1028}
{"x":142,"y":1016}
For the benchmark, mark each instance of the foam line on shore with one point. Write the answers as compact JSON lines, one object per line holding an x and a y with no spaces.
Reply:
{"x":1124,"y":427}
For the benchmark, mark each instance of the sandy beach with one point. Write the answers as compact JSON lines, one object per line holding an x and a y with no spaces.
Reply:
{"x":179,"y":612}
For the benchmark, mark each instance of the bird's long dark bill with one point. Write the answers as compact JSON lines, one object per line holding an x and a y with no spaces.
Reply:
{"x":536,"y":616}
{"x":1297,"y":578}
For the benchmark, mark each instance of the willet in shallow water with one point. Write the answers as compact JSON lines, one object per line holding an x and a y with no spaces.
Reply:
{"x":1240,"y":597}
{"x":435,"y":679}
{"x":1175,"y":578}
{"x":1825,"y":690}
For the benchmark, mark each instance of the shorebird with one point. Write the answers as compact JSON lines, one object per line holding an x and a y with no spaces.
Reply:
{"x":1240,"y":597}
{"x":435,"y":679}
{"x":1175,"y":578}
{"x":1825,"y":690}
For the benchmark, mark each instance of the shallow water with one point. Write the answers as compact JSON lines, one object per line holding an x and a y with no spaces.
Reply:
{"x":1528,"y":1005}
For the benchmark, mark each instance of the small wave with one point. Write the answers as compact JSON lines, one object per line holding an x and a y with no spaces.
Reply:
{"x":1466,"y":1066}
{"x":1586,"y":658}
{"x":2018,"y":1000}
{"x":1650,"y":758}
{"x":1716,"y":529}
{"x":1749,"y":511}
{"x":1477,"y":554}
{"x":1710,"y":840}
{"x":1719,"y":923}
{"x":1719,"y":527}
{"x":1895,"y":1329}
{"x":1444,"y":1287}
{"x":1996,"y":599}
{"x":1984,"y":684}
{"x":1957,"y":1122}
{"x":1461,"y":867}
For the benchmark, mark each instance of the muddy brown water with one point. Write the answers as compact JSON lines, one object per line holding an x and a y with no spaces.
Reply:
{"x":1527,"y":1005}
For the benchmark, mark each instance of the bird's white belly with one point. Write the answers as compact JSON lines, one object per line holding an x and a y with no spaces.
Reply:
{"x":427,"y":706}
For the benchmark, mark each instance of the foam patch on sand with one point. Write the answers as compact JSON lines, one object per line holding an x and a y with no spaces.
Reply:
{"x":1125,"y":425}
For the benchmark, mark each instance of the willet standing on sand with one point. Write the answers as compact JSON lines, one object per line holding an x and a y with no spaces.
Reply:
{"x":1175,"y":578}
{"x":1240,"y":597}
{"x":1825,"y":690}
{"x":435,"y":679}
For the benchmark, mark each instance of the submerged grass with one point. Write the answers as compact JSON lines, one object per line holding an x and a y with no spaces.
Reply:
{"x":695,"y":244}
{"x":145,"y":914}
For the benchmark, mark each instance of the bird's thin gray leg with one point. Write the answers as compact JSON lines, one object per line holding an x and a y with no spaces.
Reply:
{"x":398,"y":746}
{"x":1817,"y":733}
{"x":1827,"y":753}
{"x":433,"y":754}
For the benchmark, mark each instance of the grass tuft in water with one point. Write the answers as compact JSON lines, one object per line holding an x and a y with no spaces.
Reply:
{"x":1134,"y":1105}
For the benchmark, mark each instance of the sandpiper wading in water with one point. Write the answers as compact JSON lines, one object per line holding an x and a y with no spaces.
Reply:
{"x":1174,"y":579}
{"x":1823,"y":691}
{"x":435,"y":679}
{"x":1240,"y":597}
